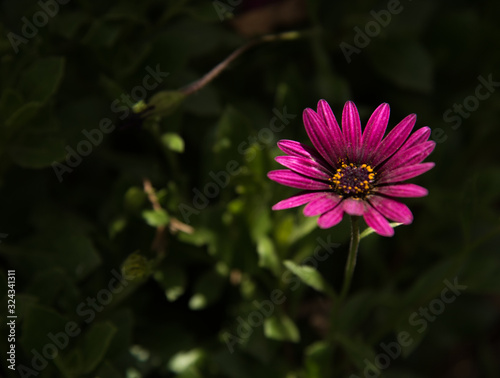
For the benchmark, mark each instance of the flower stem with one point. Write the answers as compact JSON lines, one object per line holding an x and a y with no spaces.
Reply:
{"x":351,"y":258}
{"x":214,"y":72}
{"x":349,"y":271}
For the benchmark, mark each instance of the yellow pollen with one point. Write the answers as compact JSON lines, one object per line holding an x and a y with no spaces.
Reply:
{"x":353,"y":181}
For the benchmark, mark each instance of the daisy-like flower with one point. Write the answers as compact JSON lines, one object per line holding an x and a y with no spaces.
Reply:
{"x":352,"y":172}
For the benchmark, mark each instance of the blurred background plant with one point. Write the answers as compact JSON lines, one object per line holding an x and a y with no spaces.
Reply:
{"x":179,"y":202}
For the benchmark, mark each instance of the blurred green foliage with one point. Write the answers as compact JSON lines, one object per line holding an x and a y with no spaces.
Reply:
{"x":214,"y":283}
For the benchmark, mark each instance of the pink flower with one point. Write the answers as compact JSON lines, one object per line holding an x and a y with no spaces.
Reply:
{"x":352,"y":172}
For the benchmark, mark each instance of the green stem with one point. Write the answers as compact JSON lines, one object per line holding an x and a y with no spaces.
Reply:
{"x":349,"y":271}
{"x":351,"y":258}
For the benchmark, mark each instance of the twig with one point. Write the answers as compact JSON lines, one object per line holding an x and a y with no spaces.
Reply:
{"x":159,"y":243}
{"x":214,"y":72}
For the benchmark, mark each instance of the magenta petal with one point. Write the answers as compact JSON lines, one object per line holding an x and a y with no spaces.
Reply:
{"x":331,"y":218}
{"x":394,"y":139}
{"x":337,"y":141}
{"x":374,"y":131}
{"x":410,"y":156}
{"x":296,"y":200}
{"x":418,"y":137}
{"x":402,"y":190}
{"x":322,"y":204}
{"x":351,"y":126}
{"x":376,"y":221}
{"x":306,"y":167}
{"x":294,"y":148}
{"x":391,"y":209}
{"x":294,"y":180}
{"x":405,"y":173}
{"x":319,"y":134}
{"x":353,"y":207}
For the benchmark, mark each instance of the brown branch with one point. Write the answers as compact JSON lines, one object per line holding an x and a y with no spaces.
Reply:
{"x":214,"y":72}
{"x":159,"y":243}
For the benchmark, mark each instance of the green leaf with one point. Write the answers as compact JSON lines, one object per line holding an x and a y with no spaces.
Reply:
{"x":123,"y":320}
{"x":317,"y":359}
{"x":410,"y":335}
{"x":109,"y":371}
{"x":305,"y":227}
{"x":10,"y":101}
{"x":60,"y":242}
{"x":136,"y":267}
{"x":117,"y":226}
{"x":183,"y":361}
{"x":49,"y":285}
{"x":23,"y":115}
{"x":95,"y":344}
{"x":173,"y":141}
{"x":134,"y":199}
{"x":357,"y":350}
{"x":39,"y":322}
{"x":281,"y":327}
{"x":41,"y":80}
{"x":369,"y":230}
{"x":309,"y":276}
{"x":225,"y":143}
{"x":156,"y":218}
{"x":166,"y":102}
{"x":268,"y":258}
{"x":37,"y":151}
{"x":429,"y":285}
{"x":259,"y":219}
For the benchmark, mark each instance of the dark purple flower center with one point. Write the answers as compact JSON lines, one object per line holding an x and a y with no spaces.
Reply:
{"x":352,"y":180}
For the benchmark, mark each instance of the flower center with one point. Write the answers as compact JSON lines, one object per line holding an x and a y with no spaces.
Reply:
{"x":352,"y":180}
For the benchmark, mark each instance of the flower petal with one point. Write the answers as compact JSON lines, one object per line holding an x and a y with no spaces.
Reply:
{"x":374,"y":131}
{"x":418,"y":137}
{"x":337,"y":141}
{"x":304,"y":166}
{"x":405,"y":173}
{"x":394,"y":139}
{"x":319,"y":134}
{"x":391,"y":209}
{"x":402,"y":190}
{"x":296,"y":200}
{"x":331,"y":218}
{"x":351,"y":127}
{"x":322,"y":204}
{"x":294,"y":180}
{"x":377,"y":221}
{"x":353,"y":207}
{"x":294,"y":148}
{"x":410,"y":156}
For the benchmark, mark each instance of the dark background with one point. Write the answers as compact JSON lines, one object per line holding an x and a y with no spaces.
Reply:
{"x":189,"y":284}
